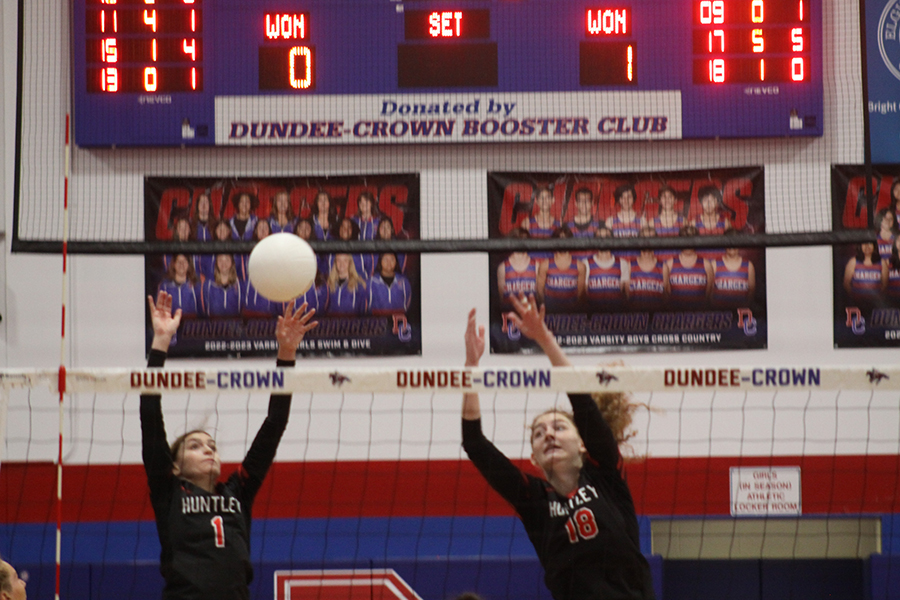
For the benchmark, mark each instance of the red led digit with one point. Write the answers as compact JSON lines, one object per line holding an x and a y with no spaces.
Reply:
{"x":717,"y":70}
{"x":188,"y":1}
{"x":149,"y":1}
{"x":757,"y":37}
{"x":109,"y":79}
{"x":114,"y":24}
{"x":305,"y":79}
{"x":762,"y":69}
{"x":193,"y":19}
{"x":190,"y":48}
{"x":757,"y":13}
{"x":150,"y":79}
{"x":801,"y":10}
{"x":150,"y":19}
{"x":630,"y":63}
{"x":797,"y":69}
{"x":153,"y":51}
{"x":110,"y":52}
{"x":712,"y":11}
{"x":193,"y":78}
{"x":717,"y":33}
{"x":108,"y":1}
{"x":797,"y":39}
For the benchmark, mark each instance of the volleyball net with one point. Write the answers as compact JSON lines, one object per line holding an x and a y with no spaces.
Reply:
{"x":727,"y":465}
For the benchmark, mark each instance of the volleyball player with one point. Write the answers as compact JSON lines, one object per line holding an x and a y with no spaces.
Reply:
{"x":12,"y":587}
{"x":204,"y":524}
{"x":581,"y":517}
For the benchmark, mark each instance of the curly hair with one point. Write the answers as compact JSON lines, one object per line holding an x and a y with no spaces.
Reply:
{"x":618,"y":411}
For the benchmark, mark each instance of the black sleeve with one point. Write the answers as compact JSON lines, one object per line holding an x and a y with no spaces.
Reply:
{"x":262,"y":451}
{"x":154,"y":447}
{"x":493,"y":465}
{"x":598,"y":438}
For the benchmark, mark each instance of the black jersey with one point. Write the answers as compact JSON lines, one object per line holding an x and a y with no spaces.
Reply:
{"x":205,"y":537}
{"x":588,"y":542}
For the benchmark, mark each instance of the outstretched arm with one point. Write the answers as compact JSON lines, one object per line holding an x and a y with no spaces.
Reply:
{"x":471,"y":409}
{"x":596,"y":434}
{"x":289,"y":332}
{"x":154,"y":446}
{"x":499,"y":472}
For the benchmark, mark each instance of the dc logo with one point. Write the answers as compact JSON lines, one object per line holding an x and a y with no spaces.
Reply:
{"x":855,"y":321}
{"x":746,"y":321}
{"x":888,"y":43}
{"x":510,"y":328}
{"x":402,"y":329}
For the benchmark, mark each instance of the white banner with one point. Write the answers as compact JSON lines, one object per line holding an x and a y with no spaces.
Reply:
{"x":765,"y":491}
{"x":448,"y":118}
{"x":431,"y":380}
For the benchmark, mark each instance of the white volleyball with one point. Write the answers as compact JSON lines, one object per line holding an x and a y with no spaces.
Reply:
{"x":282,"y":267}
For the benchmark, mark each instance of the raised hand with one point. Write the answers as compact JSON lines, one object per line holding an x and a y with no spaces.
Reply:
{"x":165,"y":324}
{"x":529,"y":317}
{"x":474,"y":341}
{"x":291,"y":328}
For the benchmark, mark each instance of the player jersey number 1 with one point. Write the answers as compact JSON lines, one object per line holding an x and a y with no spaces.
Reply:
{"x":219,"y":528}
{"x":581,"y":525}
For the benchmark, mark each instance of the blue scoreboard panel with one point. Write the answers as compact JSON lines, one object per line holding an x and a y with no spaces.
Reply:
{"x":268,"y":72}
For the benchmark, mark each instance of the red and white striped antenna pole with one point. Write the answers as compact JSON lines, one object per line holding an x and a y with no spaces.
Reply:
{"x":62,"y":357}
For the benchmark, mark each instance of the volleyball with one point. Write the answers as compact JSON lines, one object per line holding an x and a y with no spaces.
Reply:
{"x":282,"y":267}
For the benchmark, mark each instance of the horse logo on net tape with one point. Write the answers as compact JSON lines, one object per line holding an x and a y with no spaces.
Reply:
{"x":605,"y":378}
{"x":350,"y":584}
{"x":875,"y":376}
{"x":338,"y":379}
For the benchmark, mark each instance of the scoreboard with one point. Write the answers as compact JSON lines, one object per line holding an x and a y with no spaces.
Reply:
{"x":232,"y":72}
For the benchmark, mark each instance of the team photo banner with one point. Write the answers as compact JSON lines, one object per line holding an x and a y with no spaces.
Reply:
{"x":866,"y":276}
{"x":366,"y":303}
{"x":444,"y":118}
{"x":629,"y":300}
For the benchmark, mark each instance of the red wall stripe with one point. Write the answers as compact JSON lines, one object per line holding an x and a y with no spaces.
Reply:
{"x":661,"y":487}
